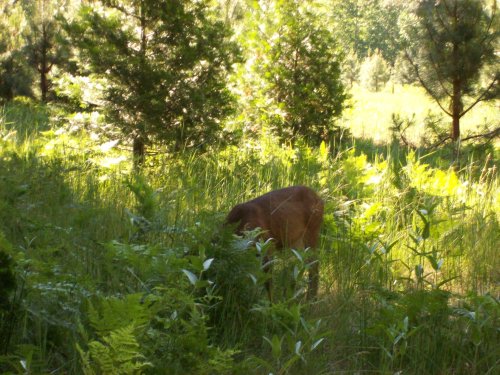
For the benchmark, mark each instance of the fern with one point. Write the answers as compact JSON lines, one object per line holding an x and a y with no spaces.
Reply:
{"x":110,"y":314}
{"x":116,"y":350}
{"x":118,"y":353}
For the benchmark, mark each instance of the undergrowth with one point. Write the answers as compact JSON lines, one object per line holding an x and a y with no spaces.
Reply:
{"x":107,"y":271}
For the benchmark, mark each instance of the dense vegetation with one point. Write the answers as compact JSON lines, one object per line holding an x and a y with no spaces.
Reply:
{"x":116,"y":262}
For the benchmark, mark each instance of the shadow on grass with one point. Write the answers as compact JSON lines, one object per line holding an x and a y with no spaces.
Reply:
{"x":54,"y":233}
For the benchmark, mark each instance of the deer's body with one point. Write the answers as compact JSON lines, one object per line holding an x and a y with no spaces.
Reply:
{"x":291,"y":216}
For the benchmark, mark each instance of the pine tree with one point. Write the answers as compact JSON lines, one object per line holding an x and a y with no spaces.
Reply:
{"x":43,"y":49}
{"x":166,"y":63}
{"x":302,"y":69}
{"x":451,"y":48}
{"x":15,"y":75}
{"x":374,"y":72}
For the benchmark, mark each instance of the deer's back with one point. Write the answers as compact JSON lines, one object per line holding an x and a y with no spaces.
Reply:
{"x":292,"y":216}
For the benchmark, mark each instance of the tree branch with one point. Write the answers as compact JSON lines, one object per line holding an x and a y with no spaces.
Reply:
{"x":424,"y":85}
{"x":490,"y":135}
{"x":121,"y":8}
{"x":481,"y":97}
{"x":440,"y":142}
{"x":443,"y":23}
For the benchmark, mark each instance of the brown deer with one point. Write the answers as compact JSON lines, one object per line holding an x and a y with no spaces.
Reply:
{"x":291,"y":216}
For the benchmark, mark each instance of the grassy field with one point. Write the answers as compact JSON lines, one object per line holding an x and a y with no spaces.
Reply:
{"x":370,"y":113}
{"x":123,"y":273}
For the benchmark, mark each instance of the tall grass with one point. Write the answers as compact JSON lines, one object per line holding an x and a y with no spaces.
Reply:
{"x":118,"y":271}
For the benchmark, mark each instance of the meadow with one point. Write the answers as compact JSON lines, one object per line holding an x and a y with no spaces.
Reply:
{"x":119,"y":272}
{"x":369,"y":115}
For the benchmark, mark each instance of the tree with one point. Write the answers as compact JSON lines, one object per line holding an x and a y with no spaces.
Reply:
{"x":374,"y":71}
{"x":350,"y":68}
{"x":366,"y":25}
{"x":166,"y":63}
{"x":15,"y":75}
{"x":302,"y":69}
{"x":403,"y":71}
{"x":43,"y":49}
{"x":452,"y":51}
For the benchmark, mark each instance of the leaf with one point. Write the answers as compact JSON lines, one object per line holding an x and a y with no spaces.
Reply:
{"x":390,"y":246}
{"x":298,"y":346}
{"x":316,"y":343}
{"x":191,"y":276}
{"x":419,"y":270}
{"x":297,"y":255}
{"x":440,"y":263}
{"x":433,"y":262}
{"x":426,"y":231}
{"x":196,"y":262}
{"x":207,"y":264}
{"x":275,"y":344}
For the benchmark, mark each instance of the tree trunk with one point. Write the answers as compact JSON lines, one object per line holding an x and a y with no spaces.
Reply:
{"x":456,"y":99}
{"x":139,"y":151}
{"x":456,"y":110}
{"x":44,"y":86}
{"x":43,"y":68}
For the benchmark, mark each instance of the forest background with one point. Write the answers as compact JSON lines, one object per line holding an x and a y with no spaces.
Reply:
{"x":128,"y":129}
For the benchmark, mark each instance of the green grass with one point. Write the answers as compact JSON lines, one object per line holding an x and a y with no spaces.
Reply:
{"x":129,"y":274}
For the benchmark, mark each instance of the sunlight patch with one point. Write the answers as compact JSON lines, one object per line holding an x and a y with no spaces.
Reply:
{"x":105,"y":147}
{"x":109,"y":162}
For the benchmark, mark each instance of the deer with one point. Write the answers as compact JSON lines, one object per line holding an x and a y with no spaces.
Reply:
{"x":291,"y":217}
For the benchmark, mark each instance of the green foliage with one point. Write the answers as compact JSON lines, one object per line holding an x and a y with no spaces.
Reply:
{"x":374,"y":72}
{"x":177,"y":339}
{"x":15,"y":76}
{"x":350,"y":68}
{"x":451,"y":46}
{"x":117,"y":354}
{"x":293,"y":341}
{"x":237,"y":283}
{"x":45,"y":48}
{"x":166,"y":66}
{"x":403,"y":70}
{"x":146,"y":197}
{"x":115,"y":322}
{"x":8,"y":284}
{"x":302,"y":70}
{"x":7,"y":278}
{"x":23,"y":118}
{"x":408,"y":258}
{"x":366,"y":25}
